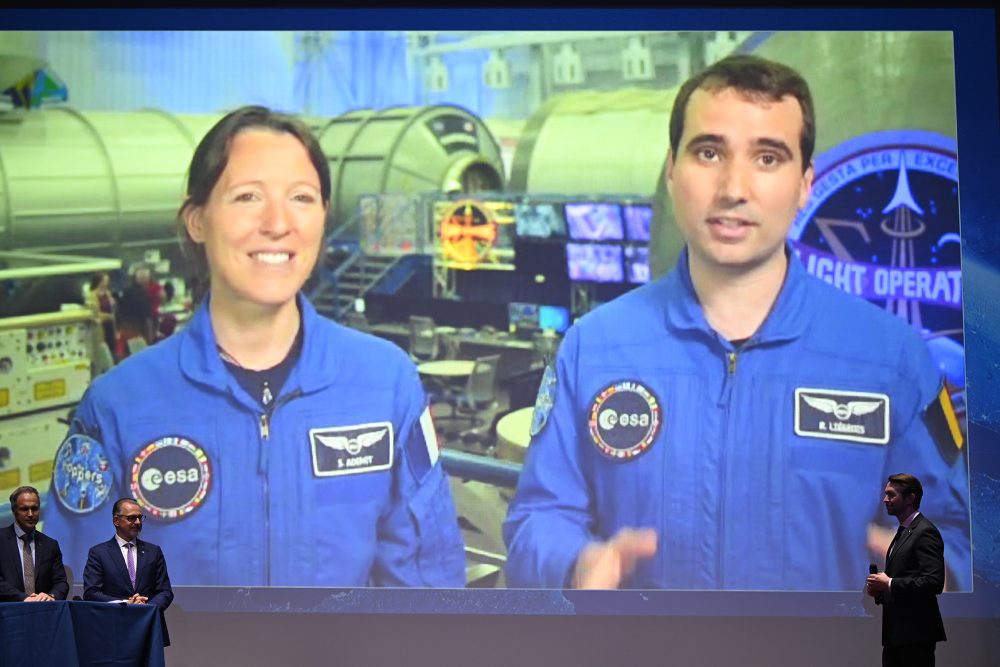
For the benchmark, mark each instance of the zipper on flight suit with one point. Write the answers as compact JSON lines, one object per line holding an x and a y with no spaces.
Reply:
{"x":265,"y":434}
{"x":725,"y":401}
{"x":265,"y":417}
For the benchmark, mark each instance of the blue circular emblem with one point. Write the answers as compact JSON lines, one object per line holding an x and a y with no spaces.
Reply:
{"x":882,"y":223}
{"x":544,"y":401}
{"x":81,"y":476}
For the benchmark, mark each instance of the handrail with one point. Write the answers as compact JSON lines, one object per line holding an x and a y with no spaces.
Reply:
{"x":480,"y":468}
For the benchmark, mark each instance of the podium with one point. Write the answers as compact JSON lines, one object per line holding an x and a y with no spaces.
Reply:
{"x":67,"y":632}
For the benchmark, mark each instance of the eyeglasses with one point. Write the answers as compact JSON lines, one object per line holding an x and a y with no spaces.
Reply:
{"x":133,"y":518}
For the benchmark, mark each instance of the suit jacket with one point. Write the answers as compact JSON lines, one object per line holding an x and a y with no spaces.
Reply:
{"x":50,"y":576}
{"x":105,"y":578}
{"x":915,"y":563}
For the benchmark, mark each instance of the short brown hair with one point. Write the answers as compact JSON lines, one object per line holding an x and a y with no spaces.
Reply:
{"x":212,"y":155}
{"x":908,"y":484}
{"x":756,"y":77}
{"x":18,"y":491}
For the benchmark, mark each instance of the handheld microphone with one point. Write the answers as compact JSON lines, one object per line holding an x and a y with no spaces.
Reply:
{"x":873,"y":569}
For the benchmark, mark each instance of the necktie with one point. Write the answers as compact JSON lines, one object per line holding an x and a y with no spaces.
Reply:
{"x":29,"y":566}
{"x":895,"y":540}
{"x":130,"y":562}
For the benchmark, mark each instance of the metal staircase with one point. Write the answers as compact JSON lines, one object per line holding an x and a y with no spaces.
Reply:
{"x":351,"y":275}
{"x":347,"y":273}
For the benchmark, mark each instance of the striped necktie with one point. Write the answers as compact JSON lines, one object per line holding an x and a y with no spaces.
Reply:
{"x":29,"y":565}
{"x":130,"y":561}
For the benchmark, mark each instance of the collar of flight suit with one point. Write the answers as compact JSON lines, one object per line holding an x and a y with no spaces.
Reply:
{"x":315,"y":369}
{"x":788,"y":319}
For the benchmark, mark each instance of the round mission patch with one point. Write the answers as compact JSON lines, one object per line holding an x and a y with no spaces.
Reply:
{"x":171,"y":477}
{"x":624,"y":420}
{"x":81,"y":476}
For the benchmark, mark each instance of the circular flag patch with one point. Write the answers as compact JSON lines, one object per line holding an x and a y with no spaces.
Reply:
{"x":81,"y":476}
{"x":170,"y":477}
{"x":624,"y":420}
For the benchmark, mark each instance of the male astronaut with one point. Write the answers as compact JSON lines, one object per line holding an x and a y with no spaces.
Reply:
{"x":719,"y":428}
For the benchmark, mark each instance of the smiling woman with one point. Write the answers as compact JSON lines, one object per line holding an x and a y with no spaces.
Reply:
{"x":259,"y":230}
{"x":262,"y":415}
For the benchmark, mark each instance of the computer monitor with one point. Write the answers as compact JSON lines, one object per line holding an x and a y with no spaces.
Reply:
{"x":535,"y":257}
{"x":523,"y":315}
{"x":594,"y":221}
{"x":638,"y":219}
{"x":594,"y":262}
{"x":637,"y":264}
{"x":539,"y":221}
{"x":553,"y":318}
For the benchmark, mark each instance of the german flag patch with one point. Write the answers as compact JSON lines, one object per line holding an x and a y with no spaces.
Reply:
{"x":942,"y":422}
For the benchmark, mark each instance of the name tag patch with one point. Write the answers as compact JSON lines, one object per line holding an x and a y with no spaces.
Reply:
{"x":842,"y":415}
{"x":348,"y":450}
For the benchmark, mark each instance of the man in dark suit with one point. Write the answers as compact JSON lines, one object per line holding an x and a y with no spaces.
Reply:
{"x":913,"y":577}
{"x":126,"y":568}
{"x":31,"y":567}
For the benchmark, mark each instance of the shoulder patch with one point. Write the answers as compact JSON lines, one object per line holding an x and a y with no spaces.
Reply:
{"x":422,"y":451}
{"x":544,"y":400}
{"x":81,"y":474}
{"x":944,"y":426}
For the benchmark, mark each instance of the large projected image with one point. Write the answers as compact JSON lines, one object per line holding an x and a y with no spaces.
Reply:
{"x":697,"y":450}
{"x":488,"y":463}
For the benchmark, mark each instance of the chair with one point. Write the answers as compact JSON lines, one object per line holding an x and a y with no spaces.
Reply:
{"x":478,"y":396}
{"x":70,"y":581}
{"x":423,"y":339}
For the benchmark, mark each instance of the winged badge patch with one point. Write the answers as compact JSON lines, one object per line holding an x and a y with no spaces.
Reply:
{"x":842,"y":415}
{"x":348,"y":450}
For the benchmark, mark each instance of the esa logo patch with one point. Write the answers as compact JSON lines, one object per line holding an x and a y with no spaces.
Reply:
{"x":624,"y":420}
{"x":347,"y":450}
{"x":81,"y":476}
{"x":170,"y":477}
{"x":842,"y":415}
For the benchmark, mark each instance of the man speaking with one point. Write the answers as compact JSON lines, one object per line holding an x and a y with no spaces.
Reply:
{"x":913,"y":578}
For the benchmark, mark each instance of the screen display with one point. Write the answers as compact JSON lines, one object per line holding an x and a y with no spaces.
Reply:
{"x":881,"y":222}
{"x":540,"y":221}
{"x":534,"y":258}
{"x":637,"y":263}
{"x":594,"y":262}
{"x":523,"y":315}
{"x":554,"y":318}
{"x":595,"y":222}
{"x":638,"y":219}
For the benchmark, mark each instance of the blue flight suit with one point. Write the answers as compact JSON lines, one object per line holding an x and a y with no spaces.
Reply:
{"x":759,"y":468}
{"x":337,"y":483}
